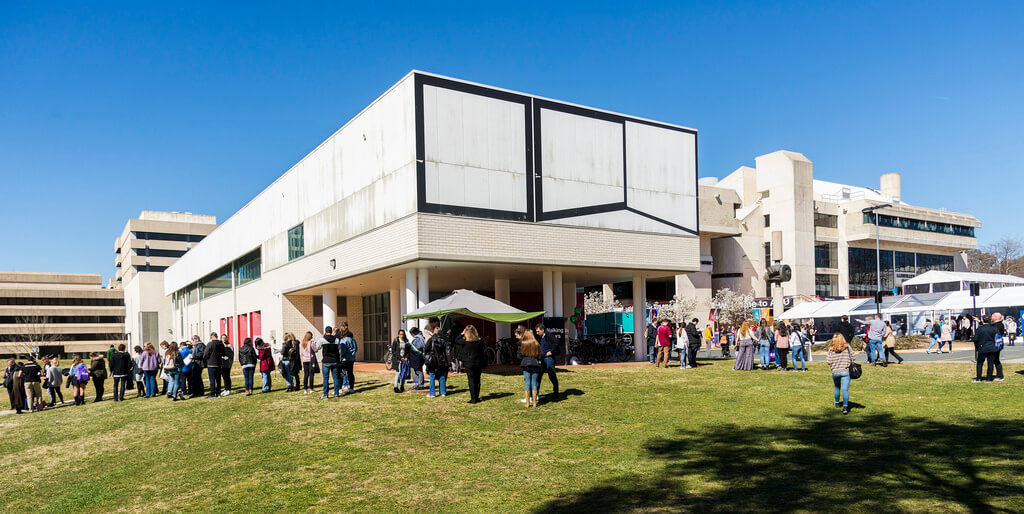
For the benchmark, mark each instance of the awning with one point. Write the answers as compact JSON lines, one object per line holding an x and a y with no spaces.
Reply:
{"x":464,"y":302}
{"x":829,"y":309}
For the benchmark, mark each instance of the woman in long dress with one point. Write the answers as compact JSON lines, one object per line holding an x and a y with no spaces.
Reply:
{"x":745,"y":348}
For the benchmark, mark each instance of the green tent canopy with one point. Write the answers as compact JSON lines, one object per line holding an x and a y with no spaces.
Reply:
{"x":468,"y":303}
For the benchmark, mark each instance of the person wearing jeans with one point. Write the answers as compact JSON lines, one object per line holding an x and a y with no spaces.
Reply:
{"x":248,"y":359}
{"x":349,"y":350}
{"x":416,"y":357}
{"x":120,"y":370}
{"x":797,"y":346}
{"x":987,"y":341}
{"x":839,"y":359}
{"x":549,"y":351}
{"x":875,"y":335}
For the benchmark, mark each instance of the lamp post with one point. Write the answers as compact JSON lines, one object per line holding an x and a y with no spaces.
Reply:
{"x":878,"y":253}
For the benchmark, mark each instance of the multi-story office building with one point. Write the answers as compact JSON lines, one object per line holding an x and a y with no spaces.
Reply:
{"x":827,"y":238}
{"x":146,"y":247}
{"x":442,"y":184}
{"x":58,"y":313}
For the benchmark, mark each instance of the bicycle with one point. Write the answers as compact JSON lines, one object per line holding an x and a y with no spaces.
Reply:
{"x":387,"y":359}
{"x":506,"y":351}
{"x":581,"y":351}
{"x":623,"y":350}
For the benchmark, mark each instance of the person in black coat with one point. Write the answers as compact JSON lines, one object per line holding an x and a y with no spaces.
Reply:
{"x":226,"y":362}
{"x":213,"y":355}
{"x":473,"y":357}
{"x":196,"y":387}
{"x":121,"y":369}
{"x":985,"y":345}
{"x":845,"y":328}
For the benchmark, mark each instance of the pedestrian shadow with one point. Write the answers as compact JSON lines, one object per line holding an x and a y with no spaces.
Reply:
{"x":494,"y":396}
{"x":544,"y":398}
{"x":822,"y":462}
{"x":369,"y":387}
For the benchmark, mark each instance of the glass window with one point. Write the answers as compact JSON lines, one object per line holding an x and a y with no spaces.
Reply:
{"x":248,"y":268}
{"x":826,"y":255}
{"x":296,"y":243}
{"x":767,"y":220}
{"x":376,"y":334}
{"x":826,"y":286}
{"x":215,"y":283}
{"x":864,"y":273}
{"x":912,"y":224}
{"x":826,"y":220}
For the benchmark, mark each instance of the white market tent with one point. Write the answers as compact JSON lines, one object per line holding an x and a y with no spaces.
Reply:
{"x":940,"y":281}
{"x":930,"y":304}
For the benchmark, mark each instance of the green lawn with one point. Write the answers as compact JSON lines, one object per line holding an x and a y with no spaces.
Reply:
{"x":625,"y":438}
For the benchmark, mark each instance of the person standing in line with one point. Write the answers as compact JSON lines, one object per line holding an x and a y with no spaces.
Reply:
{"x":437,"y":366}
{"x":307,"y":348}
{"x":227,"y":361}
{"x":247,"y":358}
{"x":399,"y":359}
{"x":682,"y":344}
{"x":266,"y":357}
{"x":149,"y":362}
{"x":120,"y":371}
{"x":796,"y":345}
{"x":110,"y":354}
{"x":15,"y":384}
{"x":417,"y":359}
{"x":652,"y":342}
{"x":172,"y":369}
{"x":162,"y":376}
{"x":474,"y":358}
{"x":137,"y":373}
{"x":1011,"y":330}
{"x":531,"y":365}
{"x":289,"y":346}
{"x":549,"y":352}
{"x":744,"y":349}
{"x":78,"y":378}
{"x":889,"y":343}
{"x":213,"y":355}
{"x":875,"y":335}
{"x":763,"y":335}
{"x":54,"y":376}
{"x":98,"y":372}
{"x":331,"y":355}
{"x":987,"y":341}
{"x":782,"y":345}
{"x":198,"y":389}
{"x":693,"y":338}
{"x":185,"y":352}
{"x":840,"y":357}
{"x":663,"y":337}
{"x":31,"y":373}
{"x":349,"y":350}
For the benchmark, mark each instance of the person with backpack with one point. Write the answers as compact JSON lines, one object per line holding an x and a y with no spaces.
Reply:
{"x":473,"y":357}
{"x":54,"y":376}
{"x":840,"y":357}
{"x":437,"y":365}
{"x":227,"y":360}
{"x":796,"y":345}
{"x":172,"y":364}
{"x":417,"y":358}
{"x":78,"y":378}
{"x":328,"y":346}
{"x":266,"y":357}
{"x":98,"y":371}
{"x":349,"y":349}
{"x":121,"y":371}
{"x":988,"y":342}
{"x":531,"y":365}
{"x":15,"y":385}
{"x":248,"y":359}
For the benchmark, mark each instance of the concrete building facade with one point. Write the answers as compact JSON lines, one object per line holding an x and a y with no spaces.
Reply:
{"x":825,"y":237}
{"x":442,"y":184}
{"x":58,"y":313}
{"x":147,"y":246}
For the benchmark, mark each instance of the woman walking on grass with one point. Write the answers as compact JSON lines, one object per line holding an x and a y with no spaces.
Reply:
{"x":744,"y":349}
{"x":889,"y":342}
{"x":781,"y":345}
{"x":307,"y":349}
{"x":840,"y":356}
{"x":796,"y":344}
{"x":531,"y":365}
{"x":247,"y":358}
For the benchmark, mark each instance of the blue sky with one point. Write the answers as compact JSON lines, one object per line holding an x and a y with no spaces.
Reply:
{"x":112,"y":109}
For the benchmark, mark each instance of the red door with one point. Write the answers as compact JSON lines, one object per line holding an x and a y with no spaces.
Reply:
{"x":243,"y":327}
{"x":257,"y":323}
{"x":231,"y":328}
{"x":223,"y":326}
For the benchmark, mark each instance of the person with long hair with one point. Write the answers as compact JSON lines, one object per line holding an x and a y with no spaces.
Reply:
{"x":474,"y":357}
{"x":15,"y":386}
{"x":265,"y":354}
{"x":531,"y":365}
{"x":437,"y":365}
{"x":248,"y":359}
{"x":54,"y":376}
{"x":307,"y":349}
{"x":839,"y":358}
{"x":149,"y":362}
{"x":287,"y":347}
{"x":763,"y":336}
{"x":78,"y":378}
{"x":138,"y":374}
{"x":889,"y":343}
{"x":399,"y":348}
{"x":173,"y":371}
{"x":781,"y":345}
{"x":98,"y":372}
{"x":796,"y":344}
{"x":226,"y":362}
{"x":745,"y":348}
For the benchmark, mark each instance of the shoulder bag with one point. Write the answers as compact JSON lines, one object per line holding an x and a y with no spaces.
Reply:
{"x":855,"y":369}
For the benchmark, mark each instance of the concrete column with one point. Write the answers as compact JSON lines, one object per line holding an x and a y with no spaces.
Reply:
{"x":556,"y":289}
{"x":549,"y":307}
{"x":394,"y":311}
{"x":568,"y":305}
{"x":330,"y":308}
{"x":639,"y":303}
{"x":409,"y":298}
{"x":501,"y":293}
{"x":423,"y":297}
{"x":606,"y":290}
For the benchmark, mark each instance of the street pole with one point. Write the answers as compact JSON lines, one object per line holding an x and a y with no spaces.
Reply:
{"x":878,"y":265}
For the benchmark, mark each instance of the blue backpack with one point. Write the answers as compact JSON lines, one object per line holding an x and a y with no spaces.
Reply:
{"x":81,"y":373}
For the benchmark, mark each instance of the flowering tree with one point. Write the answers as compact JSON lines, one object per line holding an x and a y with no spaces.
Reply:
{"x":596,"y":302}
{"x":733,"y":308}
{"x":680,"y":310}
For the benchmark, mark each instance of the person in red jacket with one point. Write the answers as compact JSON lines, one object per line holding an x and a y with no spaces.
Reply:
{"x":266,"y":357}
{"x":663,"y":339}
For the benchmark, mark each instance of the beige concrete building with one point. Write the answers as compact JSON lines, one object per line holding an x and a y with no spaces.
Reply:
{"x":826,"y":237}
{"x":147,"y":246}
{"x":58,"y":313}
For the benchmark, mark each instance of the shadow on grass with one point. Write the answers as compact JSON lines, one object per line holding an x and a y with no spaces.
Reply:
{"x":826,"y":462}
{"x":494,"y":396}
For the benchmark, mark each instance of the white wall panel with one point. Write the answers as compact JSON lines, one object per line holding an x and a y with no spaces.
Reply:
{"x":475,"y":150}
{"x":581,"y":161}
{"x":661,"y":171}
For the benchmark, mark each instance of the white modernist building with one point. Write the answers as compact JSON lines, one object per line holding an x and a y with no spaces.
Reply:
{"x":442,"y":184}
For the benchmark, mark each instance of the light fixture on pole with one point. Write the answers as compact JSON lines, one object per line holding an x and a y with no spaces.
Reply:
{"x":878,"y":255}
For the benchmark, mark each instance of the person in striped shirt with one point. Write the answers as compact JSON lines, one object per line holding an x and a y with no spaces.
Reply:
{"x":840,"y":356}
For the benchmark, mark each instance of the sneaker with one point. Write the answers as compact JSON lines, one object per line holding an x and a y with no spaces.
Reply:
{"x":350,"y":391}
{"x":976,"y":381}
{"x":323,"y":397}
{"x":430,"y":396}
{"x":838,"y":405}
{"x":443,"y":395}
{"x":846,"y":410}
{"x":522,"y":400}
{"x":998,"y":379}
{"x":396,"y":390}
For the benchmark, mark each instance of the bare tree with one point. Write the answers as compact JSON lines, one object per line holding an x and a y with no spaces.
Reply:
{"x":733,"y":308}
{"x":37,"y":332}
{"x":980,"y":261}
{"x":1004,"y":252}
{"x":597,"y":302}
